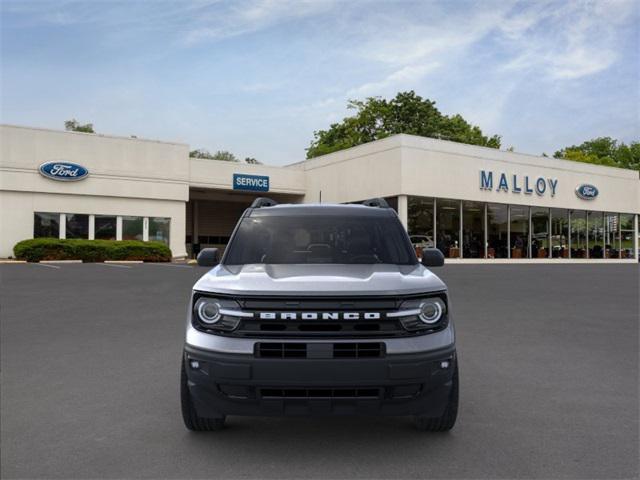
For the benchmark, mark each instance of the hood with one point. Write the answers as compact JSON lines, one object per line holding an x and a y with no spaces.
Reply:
{"x":319,"y":279}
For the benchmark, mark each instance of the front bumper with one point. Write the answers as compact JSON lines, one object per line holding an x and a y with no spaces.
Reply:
{"x":414,"y":383}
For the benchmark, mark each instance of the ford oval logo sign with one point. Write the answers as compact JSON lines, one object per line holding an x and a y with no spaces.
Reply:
{"x":587,"y":192}
{"x":64,"y":171}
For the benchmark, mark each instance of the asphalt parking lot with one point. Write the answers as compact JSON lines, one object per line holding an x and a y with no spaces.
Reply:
{"x":90,"y":366}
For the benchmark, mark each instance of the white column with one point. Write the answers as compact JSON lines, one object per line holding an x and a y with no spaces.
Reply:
{"x":403,"y":211}
{"x":435,"y":225}
{"x":509,"y":231}
{"x":549,"y":236}
{"x":118,"y":227}
{"x":486,"y":233}
{"x":460,"y":229}
{"x":194,"y":222}
{"x":92,"y":227}
{"x":63,"y":225}
{"x":529,"y":255}
{"x":569,"y":232}
{"x":635,"y":237}
{"x":145,"y":229}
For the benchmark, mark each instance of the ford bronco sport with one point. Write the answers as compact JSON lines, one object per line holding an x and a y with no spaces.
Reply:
{"x":319,"y":310}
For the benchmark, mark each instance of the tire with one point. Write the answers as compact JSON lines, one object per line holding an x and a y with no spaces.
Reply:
{"x":191,"y":419}
{"x":447,"y":420}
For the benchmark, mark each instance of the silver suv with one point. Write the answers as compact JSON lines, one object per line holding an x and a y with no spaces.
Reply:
{"x":319,"y":310}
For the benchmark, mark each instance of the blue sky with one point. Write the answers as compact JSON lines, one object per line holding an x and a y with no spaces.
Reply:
{"x":257,"y":77}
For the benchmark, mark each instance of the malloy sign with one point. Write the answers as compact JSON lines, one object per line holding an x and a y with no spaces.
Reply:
{"x":518,"y":183}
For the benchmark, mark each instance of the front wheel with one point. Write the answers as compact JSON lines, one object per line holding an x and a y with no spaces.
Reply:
{"x":447,"y":420}
{"x":191,"y":419}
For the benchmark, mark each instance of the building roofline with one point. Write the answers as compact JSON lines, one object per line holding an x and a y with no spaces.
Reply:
{"x":448,"y":146}
{"x":102,"y":135}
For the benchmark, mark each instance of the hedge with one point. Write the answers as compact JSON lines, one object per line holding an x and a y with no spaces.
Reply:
{"x":37,"y":249}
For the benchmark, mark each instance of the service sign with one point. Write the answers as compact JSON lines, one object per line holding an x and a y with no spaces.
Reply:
{"x":63,"y":171}
{"x":250,"y":183}
{"x":586,"y":191}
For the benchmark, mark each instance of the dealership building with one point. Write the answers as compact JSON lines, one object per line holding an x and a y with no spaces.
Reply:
{"x":473,"y":203}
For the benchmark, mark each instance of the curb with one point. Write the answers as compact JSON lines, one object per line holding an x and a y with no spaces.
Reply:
{"x":7,"y":262}
{"x":60,"y":261}
{"x":124,"y":261}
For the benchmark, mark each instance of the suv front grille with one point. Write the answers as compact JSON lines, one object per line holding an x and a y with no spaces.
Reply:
{"x":276,"y":328}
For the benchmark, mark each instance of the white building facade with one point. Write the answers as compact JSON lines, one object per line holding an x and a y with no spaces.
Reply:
{"x":470,"y":202}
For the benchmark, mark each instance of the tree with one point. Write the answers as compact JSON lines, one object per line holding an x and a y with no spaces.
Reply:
{"x":219,"y":155}
{"x":604,"y":151}
{"x":252,"y":161}
{"x":74,"y":126}
{"x":377,"y":118}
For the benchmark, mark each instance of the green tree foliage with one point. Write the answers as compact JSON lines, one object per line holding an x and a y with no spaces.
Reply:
{"x":604,"y":151}
{"x":74,"y":126}
{"x":219,"y":155}
{"x":252,"y":161}
{"x":377,"y":118}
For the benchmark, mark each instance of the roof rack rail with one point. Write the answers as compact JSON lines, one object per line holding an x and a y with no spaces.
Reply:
{"x":376,"y":202}
{"x":263,"y":202}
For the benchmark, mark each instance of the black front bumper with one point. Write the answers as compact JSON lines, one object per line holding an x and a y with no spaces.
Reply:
{"x":231,"y":384}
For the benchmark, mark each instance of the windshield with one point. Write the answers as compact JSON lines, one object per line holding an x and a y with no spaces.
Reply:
{"x":320,"y":239}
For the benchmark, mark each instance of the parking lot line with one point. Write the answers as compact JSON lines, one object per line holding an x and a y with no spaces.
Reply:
{"x":114,"y":265}
{"x":169,"y":265}
{"x":46,"y":265}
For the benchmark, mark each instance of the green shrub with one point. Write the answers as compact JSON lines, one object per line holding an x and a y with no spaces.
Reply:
{"x":37,"y":249}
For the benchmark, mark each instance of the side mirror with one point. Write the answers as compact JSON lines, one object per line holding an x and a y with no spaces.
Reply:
{"x":208,"y":257}
{"x":432,"y":257}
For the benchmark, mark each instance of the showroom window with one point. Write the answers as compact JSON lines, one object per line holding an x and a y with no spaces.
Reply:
{"x":420,"y":222}
{"x":132,"y":228}
{"x":46,"y":225}
{"x":448,"y":227}
{"x":497,"y":231}
{"x":539,"y":232}
{"x":106,"y":227}
{"x":559,"y":233}
{"x":472,"y":230}
{"x":159,"y":229}
{"x":578,"y":234}
{"x":627,"y":233}
{"x":611,"y":232}
{"x":77,"y":226}
{"x":519,"y":226}
{"x":595,"y":234}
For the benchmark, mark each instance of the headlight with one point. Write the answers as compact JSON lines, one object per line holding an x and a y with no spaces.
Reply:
{"x":208,"y":311}
{"x":423,"y":314}
{"x":431,"y":310}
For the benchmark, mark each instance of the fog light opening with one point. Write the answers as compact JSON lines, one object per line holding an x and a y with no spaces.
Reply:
{"x":444,"y":364}
{"x":194,"y":364}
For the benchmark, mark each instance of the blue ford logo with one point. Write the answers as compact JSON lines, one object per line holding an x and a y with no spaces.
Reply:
{"x":65,"y":171}
{"x":587,"y":192}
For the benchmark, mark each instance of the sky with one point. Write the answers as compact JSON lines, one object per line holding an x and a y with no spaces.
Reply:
{"x":258,"y":77}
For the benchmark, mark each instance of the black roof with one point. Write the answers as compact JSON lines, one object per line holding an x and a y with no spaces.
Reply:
{"x":348,"y":210}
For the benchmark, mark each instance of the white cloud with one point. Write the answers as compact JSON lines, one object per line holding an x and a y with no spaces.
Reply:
{"x":565,"y":41}
{"x":405,"y":77}
{"x":250,"y":16}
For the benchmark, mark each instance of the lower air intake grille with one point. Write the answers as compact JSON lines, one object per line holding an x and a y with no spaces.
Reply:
{"x":282,"y":350}
{"x":357,"y":350}
{"x":320,"y":392}
{"x":319,"y":350}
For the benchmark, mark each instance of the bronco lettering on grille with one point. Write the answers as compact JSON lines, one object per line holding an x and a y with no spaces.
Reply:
{"x":320,"y":316}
